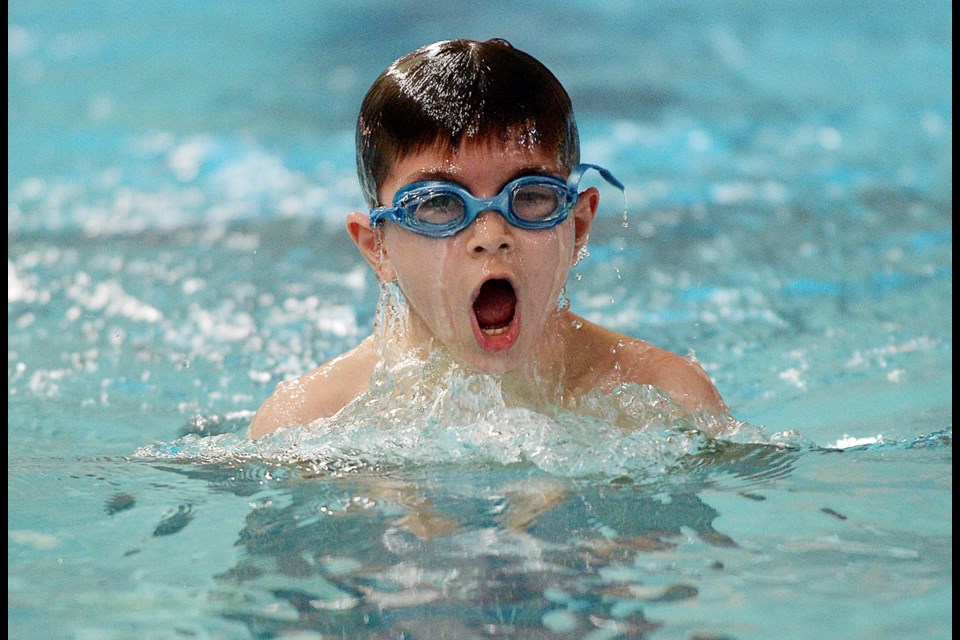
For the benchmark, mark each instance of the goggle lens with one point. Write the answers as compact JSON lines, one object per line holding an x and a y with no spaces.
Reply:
{"x":440,"y":209}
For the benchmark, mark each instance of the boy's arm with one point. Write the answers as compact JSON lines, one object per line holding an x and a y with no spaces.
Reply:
{"x":317,"y":394}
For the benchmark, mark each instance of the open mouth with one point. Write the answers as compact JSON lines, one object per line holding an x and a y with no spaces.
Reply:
{"x":495,"y":307}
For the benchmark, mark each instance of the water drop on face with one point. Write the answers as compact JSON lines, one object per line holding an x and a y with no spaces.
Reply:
{"x":577,"y":324}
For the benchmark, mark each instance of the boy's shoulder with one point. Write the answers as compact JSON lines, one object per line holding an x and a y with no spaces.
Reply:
{"x":319,"y":393}
{"x":603,"y":358}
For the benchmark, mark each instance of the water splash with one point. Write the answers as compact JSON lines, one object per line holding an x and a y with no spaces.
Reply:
{"x":435,"y":412}
{"x":420,"y":417}
{"x":424,"y":408}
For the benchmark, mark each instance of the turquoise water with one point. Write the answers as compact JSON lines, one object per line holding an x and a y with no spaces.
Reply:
{"x":177,"y":181}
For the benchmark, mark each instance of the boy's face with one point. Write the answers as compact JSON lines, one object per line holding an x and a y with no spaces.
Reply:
{"x":490,"y":292}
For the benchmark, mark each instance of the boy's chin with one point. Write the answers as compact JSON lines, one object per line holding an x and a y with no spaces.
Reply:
{"x":495,"y":363}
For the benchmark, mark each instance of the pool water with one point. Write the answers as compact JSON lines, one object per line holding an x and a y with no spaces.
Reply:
{"x":178,"y":177}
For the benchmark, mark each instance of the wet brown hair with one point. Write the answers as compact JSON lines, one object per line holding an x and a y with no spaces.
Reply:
{"x":449,"y":92}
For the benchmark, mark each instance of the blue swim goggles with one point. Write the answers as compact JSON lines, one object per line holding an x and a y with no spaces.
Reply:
{"x":439,"y":209}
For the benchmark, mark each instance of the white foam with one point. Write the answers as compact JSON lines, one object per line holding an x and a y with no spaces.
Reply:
{"x":847,"y":441}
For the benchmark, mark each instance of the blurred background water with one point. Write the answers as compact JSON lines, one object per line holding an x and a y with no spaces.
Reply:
{"x":178,"y":176}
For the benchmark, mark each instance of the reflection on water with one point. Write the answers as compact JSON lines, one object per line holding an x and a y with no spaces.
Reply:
{"x":500,"y":551}
{"x":485,"y":549}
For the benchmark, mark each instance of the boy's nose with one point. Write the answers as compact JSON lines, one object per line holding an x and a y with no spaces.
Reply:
{"x":490,"y":233}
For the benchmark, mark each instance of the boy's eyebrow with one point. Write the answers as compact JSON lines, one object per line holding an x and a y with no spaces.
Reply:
{"x":446,"y":176}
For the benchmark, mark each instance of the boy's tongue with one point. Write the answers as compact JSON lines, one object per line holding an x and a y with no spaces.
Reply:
{"x":495,"y":304}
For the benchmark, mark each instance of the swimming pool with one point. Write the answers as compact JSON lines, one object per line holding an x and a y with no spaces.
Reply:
{"x":178,"y":177}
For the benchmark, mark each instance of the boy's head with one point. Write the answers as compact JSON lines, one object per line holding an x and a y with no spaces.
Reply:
{"x":475,"y":146}
{"x":458,"y":91}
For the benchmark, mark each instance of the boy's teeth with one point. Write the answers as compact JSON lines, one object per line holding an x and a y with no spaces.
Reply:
{"x":496,"y":331}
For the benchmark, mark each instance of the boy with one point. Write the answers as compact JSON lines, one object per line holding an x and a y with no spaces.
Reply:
{"x":468,"y":155}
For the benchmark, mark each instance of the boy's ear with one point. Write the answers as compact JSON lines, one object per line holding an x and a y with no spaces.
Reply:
{"x":370,"y":243}
{"x":583,"y":214}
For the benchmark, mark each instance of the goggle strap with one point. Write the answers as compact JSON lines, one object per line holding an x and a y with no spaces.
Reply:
{"x":581,"y":169}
